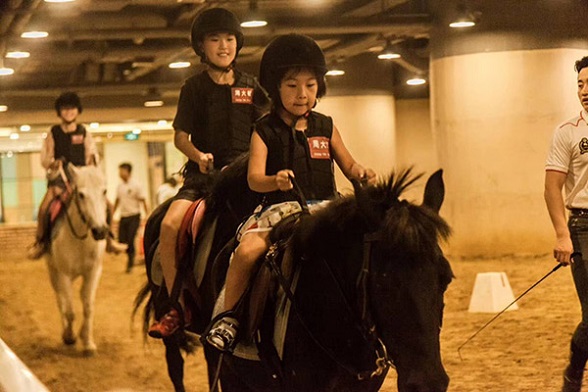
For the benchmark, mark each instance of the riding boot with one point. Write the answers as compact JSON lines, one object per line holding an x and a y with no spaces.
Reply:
{"x":39,"y":247}
{"x":575,"y":370}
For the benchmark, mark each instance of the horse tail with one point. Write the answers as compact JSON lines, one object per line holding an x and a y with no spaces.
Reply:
{"x":148,"y":310}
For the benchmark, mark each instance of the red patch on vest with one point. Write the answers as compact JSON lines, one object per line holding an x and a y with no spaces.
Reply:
{"x":77,"y":139}
{"x":320,"y":147}
{"x":242,"y":95}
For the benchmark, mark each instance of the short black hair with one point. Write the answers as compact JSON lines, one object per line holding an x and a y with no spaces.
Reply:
{"x":127,"y":166}
{"x":581,"y":64}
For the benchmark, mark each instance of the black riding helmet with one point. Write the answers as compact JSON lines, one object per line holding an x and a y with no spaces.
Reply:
{"x":68,"y":99}
{"x":291,"y":51}
{"x":215,"y":20}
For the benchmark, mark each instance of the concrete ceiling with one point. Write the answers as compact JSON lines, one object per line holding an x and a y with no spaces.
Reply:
{"x":113,"y":51}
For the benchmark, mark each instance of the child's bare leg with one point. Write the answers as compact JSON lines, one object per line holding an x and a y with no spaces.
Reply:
{"x":223,"y":334}
{"x":252,"y":246}
{"x":170,"y":322}
{"x":168,"y":238}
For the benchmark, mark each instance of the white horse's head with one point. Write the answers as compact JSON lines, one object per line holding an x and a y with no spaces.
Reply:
{"x":89,"y":193}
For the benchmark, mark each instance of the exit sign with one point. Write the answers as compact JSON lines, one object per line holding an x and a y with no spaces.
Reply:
{"x":131,"y":136}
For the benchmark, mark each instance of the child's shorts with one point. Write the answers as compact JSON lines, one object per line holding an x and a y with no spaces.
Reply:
{"x":264,"y":218}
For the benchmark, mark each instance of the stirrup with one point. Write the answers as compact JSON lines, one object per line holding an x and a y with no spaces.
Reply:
{"x":223,"y":334}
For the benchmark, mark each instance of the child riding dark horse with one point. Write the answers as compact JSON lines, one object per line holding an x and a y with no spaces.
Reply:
{"x":212,"y":127}
{"x":292,"y":142}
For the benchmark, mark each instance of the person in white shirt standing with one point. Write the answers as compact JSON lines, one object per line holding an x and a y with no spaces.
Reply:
{"x":129,"y":198}
{"x":567,"y":165}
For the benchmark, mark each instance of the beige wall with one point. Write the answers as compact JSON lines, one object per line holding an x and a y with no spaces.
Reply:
{"x":493,"y":115}
{"x":368,"y":128}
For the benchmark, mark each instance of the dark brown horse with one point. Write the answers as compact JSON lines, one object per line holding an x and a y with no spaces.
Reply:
{"x":372,"y":277}
{"x":370,"y":292}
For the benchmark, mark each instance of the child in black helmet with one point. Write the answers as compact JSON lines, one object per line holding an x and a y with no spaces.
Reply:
{"x":67,"y":142}
{"x":212,"y":126}
{"x":291,"y":142}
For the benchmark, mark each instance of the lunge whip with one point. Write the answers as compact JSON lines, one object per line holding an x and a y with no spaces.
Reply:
{"x":558,"y":266}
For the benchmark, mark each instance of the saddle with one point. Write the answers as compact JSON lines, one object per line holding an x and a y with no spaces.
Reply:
{"x":185,"y":248}
{"x":56,"y":209}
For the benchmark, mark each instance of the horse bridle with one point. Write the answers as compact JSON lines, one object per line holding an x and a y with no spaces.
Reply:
{"x":364,"y":324}
{"x":76,"y":200}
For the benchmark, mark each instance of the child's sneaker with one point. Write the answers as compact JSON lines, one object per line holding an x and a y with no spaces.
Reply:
{"x":166,"y":326}
{"x":223,"y":334}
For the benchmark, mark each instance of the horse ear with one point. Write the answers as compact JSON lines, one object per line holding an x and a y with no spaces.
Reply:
{"x":363,"y":203}
{"x":434,"y":191}
{"x":72,"y":169}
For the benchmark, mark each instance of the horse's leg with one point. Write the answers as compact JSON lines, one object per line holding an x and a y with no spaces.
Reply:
{"x":88,"y":294}
{"x":175,"y":363}
{"x":63,"y":291}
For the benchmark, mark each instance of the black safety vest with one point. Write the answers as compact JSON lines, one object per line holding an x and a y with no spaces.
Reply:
{"x":308,"y":154}
{"x":225,"y":115}
{"x":70,"y":146}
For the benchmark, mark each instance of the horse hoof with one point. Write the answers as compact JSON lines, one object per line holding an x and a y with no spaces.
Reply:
{"x":89,"y":352}
{"x":69,"y":340}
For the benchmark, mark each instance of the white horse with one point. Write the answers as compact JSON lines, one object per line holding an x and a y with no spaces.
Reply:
{"x":77,"y":248}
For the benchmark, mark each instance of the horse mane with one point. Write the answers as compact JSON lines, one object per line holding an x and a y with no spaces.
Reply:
{"x":408,"y":227}
{"x":404,"y":228}
{"x":228,"y":185}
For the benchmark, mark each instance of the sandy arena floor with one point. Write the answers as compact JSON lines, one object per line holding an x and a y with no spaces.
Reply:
{"x":525,"y":350}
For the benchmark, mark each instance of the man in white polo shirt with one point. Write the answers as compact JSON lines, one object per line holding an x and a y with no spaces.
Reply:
{"x":567,"y":164}
{"x":129,"y":198}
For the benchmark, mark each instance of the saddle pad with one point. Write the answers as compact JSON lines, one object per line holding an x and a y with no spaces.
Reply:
{"x":283,"y":305}
{"x":204,"y":247}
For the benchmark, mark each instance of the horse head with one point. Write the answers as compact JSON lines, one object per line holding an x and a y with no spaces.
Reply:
{"x":89,"y":198}
{"x":408,"y":276}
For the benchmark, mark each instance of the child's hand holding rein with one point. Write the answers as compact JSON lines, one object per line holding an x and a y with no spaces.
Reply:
{"x":205,"y":162}
{"x":362,"y":174}
{"x":283,"y":180}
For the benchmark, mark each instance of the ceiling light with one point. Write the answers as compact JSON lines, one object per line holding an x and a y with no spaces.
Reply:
{"x":388,"y":53}
{"x":17,"y":55}
{"x":416,"y":81}
{"x":162,"y":123}
{"x":253,"y":18}
{"x":94,"y":125}
{"x":464,"y":18}
{"x":137,"y":131}
{"x":6,"y":71}
{"x":179,"y":64}
{"x":3,"y":108}
{"x":14,"y":136}
{"x":153,"y":99}
{"x":34,"y":34}
{"x":335,"y":72}
{"x":25,"y":128}
{"x":153,"y":103}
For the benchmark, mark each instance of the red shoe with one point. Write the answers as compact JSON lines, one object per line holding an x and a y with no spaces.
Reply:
{"x":166,"y":326}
